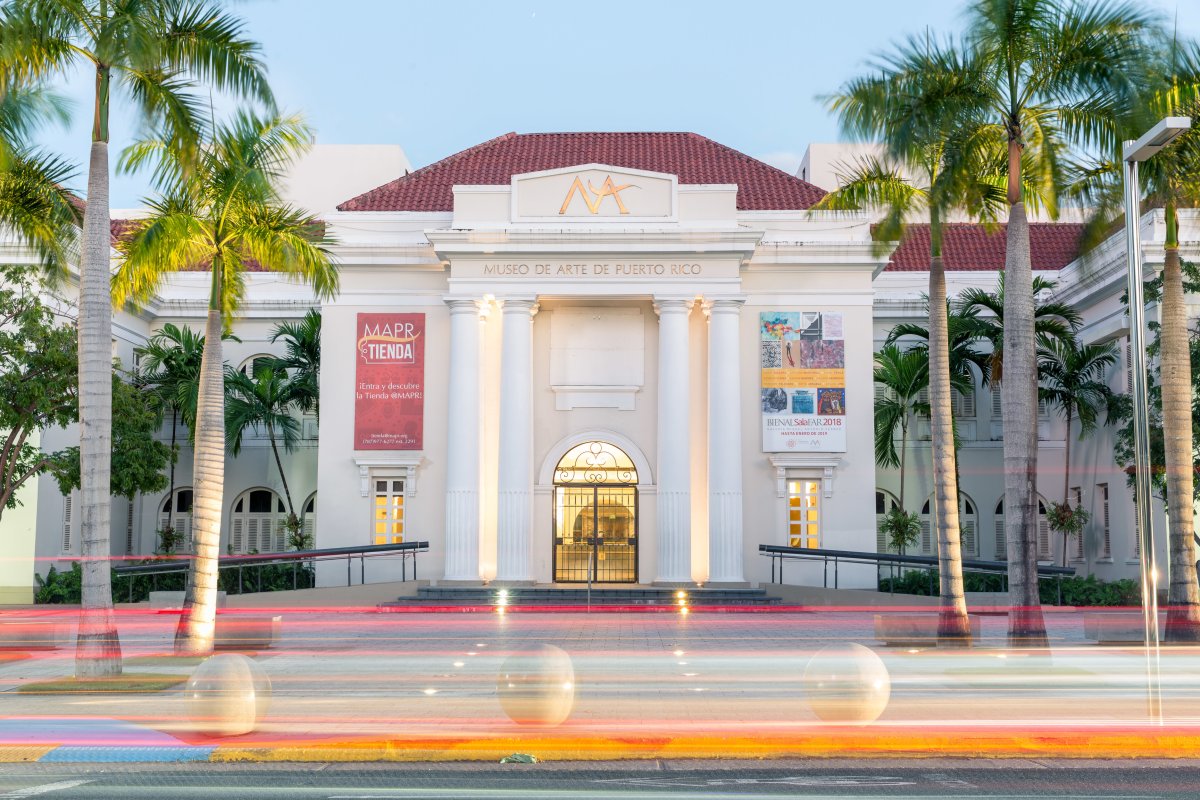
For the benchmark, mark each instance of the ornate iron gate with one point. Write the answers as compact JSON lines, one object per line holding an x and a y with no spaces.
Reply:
{"x":595,"y":516}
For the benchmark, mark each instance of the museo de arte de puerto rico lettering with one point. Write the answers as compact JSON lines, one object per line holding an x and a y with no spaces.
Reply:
{"x":563,"y":269}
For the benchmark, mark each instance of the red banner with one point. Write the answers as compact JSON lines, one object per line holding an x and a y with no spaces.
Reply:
{"x":389,"y":393}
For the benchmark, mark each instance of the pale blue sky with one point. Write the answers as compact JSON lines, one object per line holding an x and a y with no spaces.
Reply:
{"x":436,"y":77}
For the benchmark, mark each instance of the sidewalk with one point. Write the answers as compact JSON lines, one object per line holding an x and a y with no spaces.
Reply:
{"x":360,"y":685}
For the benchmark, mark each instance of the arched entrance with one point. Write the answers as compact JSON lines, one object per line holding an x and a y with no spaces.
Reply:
{"x":595,"y":515}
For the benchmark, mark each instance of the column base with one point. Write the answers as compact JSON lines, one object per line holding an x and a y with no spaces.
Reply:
{"x":513,"y":584}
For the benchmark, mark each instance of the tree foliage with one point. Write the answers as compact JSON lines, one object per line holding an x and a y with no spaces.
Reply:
{"x":1122,"y":412}
{"x":138,"y":458}
{"x":37,"y":381}
{"x":39,"y":391}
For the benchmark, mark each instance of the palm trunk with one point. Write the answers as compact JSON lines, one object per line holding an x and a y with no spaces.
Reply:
{"x":1018,"y":393}
{"x":194,"y":636}
{"x":292,"y":520}
{"x":97,"y":647}
{"x":171,"y":495}
{"x":279,"y":465}
{"x":1067,"y":479}
{"x":903,"y":455}
{"x":953,"y":624}
{"x":1183,"y":600}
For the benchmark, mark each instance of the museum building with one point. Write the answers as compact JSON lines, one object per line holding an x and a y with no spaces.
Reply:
{"x":615,"y":357}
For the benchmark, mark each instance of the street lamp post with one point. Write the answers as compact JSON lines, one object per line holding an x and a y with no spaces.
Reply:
{"x":1150,"y":143}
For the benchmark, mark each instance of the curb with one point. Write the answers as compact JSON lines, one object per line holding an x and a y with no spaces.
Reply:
{"x":883,"y":743}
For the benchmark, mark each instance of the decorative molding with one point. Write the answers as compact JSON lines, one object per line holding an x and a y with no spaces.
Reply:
{"x":782,"y":462}
{"x":407,"y":463}
{"x":570,"y":397}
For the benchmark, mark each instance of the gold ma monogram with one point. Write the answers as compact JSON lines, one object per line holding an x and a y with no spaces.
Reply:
{"x":607,"y":189}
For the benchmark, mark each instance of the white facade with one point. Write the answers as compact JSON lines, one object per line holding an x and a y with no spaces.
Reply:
{"x":1093,"y":286}
{"x":552,"y":319}
{"x":576,"y":341}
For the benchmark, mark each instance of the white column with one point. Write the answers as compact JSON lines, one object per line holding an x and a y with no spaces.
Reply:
{"x":674,"y":450}
{"x":724,"y":443}
{"x":462,"y":443}
{"x":515,"y":507}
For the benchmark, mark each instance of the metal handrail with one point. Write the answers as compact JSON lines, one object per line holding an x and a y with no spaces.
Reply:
{"x":182,"y":563}
{"x":779,"y":553}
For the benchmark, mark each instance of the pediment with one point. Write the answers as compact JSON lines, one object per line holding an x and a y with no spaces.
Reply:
{"x":594,"y":193}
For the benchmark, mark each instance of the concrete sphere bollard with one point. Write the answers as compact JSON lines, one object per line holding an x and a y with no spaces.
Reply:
{"x":227,"y":695}
{"x":537,"y":686}
{"x":847,"y":683}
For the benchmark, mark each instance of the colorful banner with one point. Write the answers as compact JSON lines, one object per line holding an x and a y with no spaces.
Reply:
{"x":389,"y":392}
{"x":803,"y":381}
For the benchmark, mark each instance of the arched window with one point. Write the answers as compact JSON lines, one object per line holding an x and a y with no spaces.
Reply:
{"x":258,"y":523}
{"x":594,"y":463}
{"x":309,"y":517}
{"x":179,"y":518}
{"x":884,"y":502}
{"x":968,"y":524}
{"x":255,"y":363}
{"x":1043,"y":532}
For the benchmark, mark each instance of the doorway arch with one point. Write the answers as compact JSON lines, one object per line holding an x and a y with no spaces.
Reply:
{"x":595,"y":515}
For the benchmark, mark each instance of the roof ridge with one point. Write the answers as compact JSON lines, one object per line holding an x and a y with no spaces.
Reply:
{"x":758,"y":161}
{"x":453,"y":157}
{"x":693,"y":157}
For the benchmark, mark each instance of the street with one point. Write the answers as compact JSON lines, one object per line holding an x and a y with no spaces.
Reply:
{"x":1012,"y":779}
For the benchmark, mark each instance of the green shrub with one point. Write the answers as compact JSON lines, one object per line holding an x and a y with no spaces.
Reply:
{"x":1077,"y":590}
{"x":66,"y":587}
{"x":60,"y":587}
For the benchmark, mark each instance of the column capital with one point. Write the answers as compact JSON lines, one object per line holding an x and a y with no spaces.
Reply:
{"x":517,"y":305}
{"x":723,"y":305}
{"x":673,"y":305}
{"x":467,"y":305}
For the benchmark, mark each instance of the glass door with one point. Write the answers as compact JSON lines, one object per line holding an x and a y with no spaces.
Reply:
{"x":595,"y":534}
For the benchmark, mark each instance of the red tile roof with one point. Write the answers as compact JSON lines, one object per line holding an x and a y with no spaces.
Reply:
{"x":123,"y":229}
{"x":966,"y":246}
{"x":693,"y":158}
{"x":119,"y":229}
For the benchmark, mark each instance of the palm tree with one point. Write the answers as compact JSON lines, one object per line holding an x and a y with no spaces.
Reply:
{"x":923,"y":107}
{"x":152,"y":51}
{"x":34,"y":201}
{"x":1073,"y":380}
{"x":964,"y":332}
{"x":903,"y":376}
{"x":264,"y":401}
{"x":302,"y":341}
{"x":223,"y":213}
{"x":1053,"y":321}
{"x":1171,"y":180}
{"x":170,"y":369}
{"x":1057,"y":71}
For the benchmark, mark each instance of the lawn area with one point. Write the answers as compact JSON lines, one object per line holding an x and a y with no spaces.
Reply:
{"x":128,"y":683}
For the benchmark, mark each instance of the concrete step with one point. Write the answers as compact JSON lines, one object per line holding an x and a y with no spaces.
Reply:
{"x":555,"y":595}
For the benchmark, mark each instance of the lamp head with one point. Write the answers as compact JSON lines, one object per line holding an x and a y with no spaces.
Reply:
{"x":1155,"y":139}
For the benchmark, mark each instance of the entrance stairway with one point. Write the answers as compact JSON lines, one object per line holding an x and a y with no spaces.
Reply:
{"x":605,"y":595}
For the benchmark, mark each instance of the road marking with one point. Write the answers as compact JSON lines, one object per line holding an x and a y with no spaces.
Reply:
{"x":795,"y":780}
{"x":33,"y":791}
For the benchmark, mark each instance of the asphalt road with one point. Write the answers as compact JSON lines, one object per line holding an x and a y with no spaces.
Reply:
{"x":797,"y":780}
